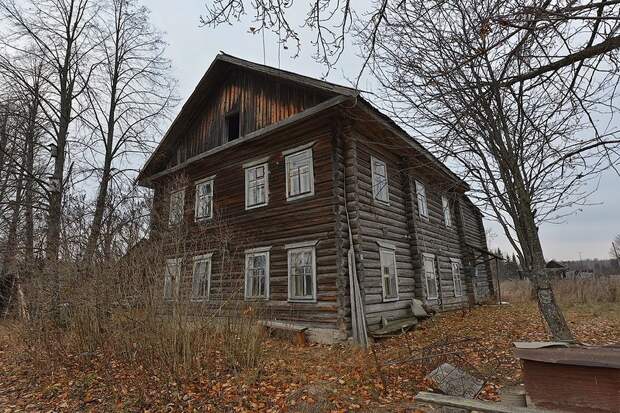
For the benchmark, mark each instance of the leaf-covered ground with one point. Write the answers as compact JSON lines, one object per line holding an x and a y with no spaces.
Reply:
{"x":314,"y":378}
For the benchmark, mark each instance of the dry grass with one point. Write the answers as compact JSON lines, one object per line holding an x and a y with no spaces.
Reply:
{"x":594,"y":292}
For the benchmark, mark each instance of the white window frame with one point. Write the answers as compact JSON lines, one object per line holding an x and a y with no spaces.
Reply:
{"x":420,"y":191}
{"x":388,"y":249}
{"x":209,"y":180}
{"x":447,"y":214}
{"x":249,"y":254}
{"x":197,"y":260}
{"x":302,"y":247}
{"x":288,"y":155}
{"x":431,"y":258}
{"x":376,"y":190}
{"x":249,"y":167}
{"x":457,"y":276}
{"x":172,"y":281}
{"x":172,"y":214}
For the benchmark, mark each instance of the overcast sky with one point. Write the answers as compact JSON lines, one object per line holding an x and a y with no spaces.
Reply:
{"x":192,"y":48}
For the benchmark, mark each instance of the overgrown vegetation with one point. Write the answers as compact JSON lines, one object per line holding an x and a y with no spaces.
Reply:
{"x":591,"y":291}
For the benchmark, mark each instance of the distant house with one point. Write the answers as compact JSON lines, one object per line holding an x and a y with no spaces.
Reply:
{"x":305,"y":169}
{"x":555,"y":269}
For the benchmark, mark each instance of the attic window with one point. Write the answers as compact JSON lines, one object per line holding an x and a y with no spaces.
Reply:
{"x":232,"y":126}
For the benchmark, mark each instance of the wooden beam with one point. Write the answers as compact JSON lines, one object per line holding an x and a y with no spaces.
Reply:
{"x":472,"y":404}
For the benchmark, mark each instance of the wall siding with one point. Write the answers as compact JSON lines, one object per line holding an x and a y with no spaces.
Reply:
{"x":275,"y":225}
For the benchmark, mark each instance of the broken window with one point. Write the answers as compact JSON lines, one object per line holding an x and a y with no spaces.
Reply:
{"x":389,"y":277}
{"x":204,"y":199}
{"x":177,"y":204}
{"x":172,"y":276}
{"x":380,"y":190}
{"x":430,"y":277}
{"x":422,"y":204}
{"x":233,"y":126}
{"x":456,"y":277}
{"x":201,"y":277}
{"x":447,"y":215}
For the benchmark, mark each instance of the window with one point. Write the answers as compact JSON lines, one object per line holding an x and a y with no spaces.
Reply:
{"x":232,"y":126}
{"x":302,"y":272}
{"x":456,"y":277}
{"x":430,"y":276}
{"x":389,"y":278}
{"x":177,"y":205}
{"x":172,"y":279}
{"x":447,"y":216}
{"x":380,"y":190}
{"x":257,"y":273}
{"x":256,"y":186}
{"x":299,"y":174}
{"x":479,"y":270}
{"x":422,"y":205}
{"x":201,"y":277}
{"x":204,"y":199}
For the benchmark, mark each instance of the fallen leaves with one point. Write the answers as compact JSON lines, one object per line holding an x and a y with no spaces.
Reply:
{"x":312,"y":378}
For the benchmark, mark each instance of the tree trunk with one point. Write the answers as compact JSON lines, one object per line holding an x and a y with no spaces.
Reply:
{"x":102,"y":196}
{"x":30,"y":137}
{"x":535,"y":266}
{"x":7,"y":278}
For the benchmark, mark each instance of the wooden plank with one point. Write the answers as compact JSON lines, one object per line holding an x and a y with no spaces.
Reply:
{"x":472,"y":404}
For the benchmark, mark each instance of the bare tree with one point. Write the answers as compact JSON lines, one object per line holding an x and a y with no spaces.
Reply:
{"x":59,"y":33}
{"x":528,"y":146}
{"x":615,"y":248}
{"x":128,"y":97}
{"x":587,"y":29}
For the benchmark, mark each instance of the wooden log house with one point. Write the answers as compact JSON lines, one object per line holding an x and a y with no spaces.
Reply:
{"x":301,"y":169}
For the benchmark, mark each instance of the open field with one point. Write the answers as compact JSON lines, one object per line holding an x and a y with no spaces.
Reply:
{"x":289,"y":378}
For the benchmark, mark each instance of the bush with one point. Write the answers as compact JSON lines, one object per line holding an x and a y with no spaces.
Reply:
{"x":117,"y":309}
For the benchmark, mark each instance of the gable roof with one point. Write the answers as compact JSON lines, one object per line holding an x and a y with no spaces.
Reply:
{"x":340,"y":93}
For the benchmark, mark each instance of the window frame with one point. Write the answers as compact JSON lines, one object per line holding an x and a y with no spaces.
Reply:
{"x":456,"y":263}
{"x":288,"y":154}
{"x":375,"y":191}
{"x":422,"y":199}
{"x":208,"y":180}
{"x":246,"y":172}
{"x":249,"y":254}
{"x":447,"y":213}
{"x":432,"y":259}
{"x":385,"y":248}
{"x":302,"y":247}
{"x":182,"y":207}
{"x":175,"y":281}
{"x":196,"y":260}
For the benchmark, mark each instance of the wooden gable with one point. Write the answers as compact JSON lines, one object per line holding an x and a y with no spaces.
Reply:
{"x":259,"y":100}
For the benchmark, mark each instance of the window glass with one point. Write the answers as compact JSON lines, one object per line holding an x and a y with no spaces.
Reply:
{"x":456,"y":278}
{"x":430,"y":275}
{"x":422,"y":205}
{"x":177,"y":201}
{"x":256,"y":186}
{"x":447,"y":215}
{"x":200,"y":278}
{"x":204,"y":200}
{"x":172,"y":279}
{"x":299,"y":172}
{"x":388,"y":275}
{"x":380,"y":188}
{"x":257,"y":275}
{"x":301,"y":274}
